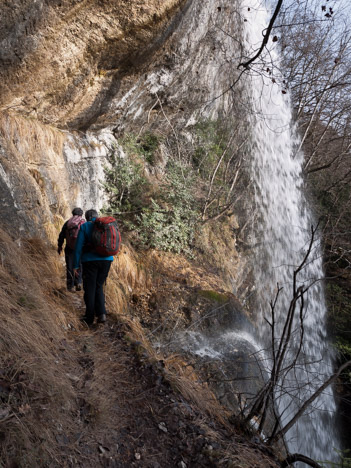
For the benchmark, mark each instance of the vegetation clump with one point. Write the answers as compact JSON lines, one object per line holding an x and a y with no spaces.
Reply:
{"x":124,"y":182}
{"x":144,"y":146}
{"x":163,"y":216}
{"x":169,"y":222}
{"x":198,"y":185}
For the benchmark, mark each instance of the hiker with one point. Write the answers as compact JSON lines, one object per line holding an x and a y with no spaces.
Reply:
{"x":69,"y":233}
{"x":95,"y":271}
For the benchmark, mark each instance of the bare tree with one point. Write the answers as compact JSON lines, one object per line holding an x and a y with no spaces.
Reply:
{"x":317,"y":64}
{"x":286,"y":347}
{"x":265,"y":400}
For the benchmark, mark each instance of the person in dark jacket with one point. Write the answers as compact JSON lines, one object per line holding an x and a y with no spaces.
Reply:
{"x":71,"y":279}
{"x":95,"y":271}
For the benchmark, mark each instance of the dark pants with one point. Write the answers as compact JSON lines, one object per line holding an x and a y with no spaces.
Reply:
{"x":71,"y":280}
{"x":94,"y":277}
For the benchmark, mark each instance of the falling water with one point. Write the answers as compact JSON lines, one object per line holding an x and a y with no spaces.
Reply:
{"x":282,"y":234}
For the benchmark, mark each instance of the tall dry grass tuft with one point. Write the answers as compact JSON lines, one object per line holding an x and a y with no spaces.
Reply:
{"x":29,"y":136}
{"x":127,"y":276}
{"x":183,"y":378}
{"x":33,"y":324}
{"x":130,"y":270}
{"x":176,"y":267}
{"x":116,"y":295}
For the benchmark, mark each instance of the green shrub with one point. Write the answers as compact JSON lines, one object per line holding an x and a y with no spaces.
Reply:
{"x":124,"y":183}
{"x":217,"y":157}
{"x":144,"y":146}
{"x":211,"y":141}
{"x":169,"y":222}
{"x":344,"y":347}
{"x":339,"y":307}
{"x":166,"y":215}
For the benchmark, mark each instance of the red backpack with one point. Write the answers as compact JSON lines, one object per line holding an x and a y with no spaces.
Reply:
{"x":106,"y":237}
{"x":73,"y":226}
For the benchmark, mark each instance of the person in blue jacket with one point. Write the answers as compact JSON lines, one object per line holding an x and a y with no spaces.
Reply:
{"x":95,"y":271}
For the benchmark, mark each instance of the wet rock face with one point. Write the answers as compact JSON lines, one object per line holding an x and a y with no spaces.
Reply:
{"x":59,"y":58}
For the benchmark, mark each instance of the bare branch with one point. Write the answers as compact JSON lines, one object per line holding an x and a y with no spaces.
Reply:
{"x":296,"y":457}
{"x":247,"y":64}
{"x":308,"y":402}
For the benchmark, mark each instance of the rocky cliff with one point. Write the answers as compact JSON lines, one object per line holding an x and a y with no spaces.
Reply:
{"x":76,"y":75}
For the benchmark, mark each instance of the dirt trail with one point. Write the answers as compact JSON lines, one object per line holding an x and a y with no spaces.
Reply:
{"x":126,"y":414}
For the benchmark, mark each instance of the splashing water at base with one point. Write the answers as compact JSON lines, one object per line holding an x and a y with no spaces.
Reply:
{"x":282,"y":232}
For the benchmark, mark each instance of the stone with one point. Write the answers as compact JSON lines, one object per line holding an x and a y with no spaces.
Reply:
{"x":163,"y":427}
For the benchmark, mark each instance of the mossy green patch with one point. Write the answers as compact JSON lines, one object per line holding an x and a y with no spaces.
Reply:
{"x":214,"y":296}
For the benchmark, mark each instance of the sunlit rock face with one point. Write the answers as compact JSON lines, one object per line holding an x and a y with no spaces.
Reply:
{"x":45,"y":172}
{"x":190,"y":74}
{"x":76,"y":75}
{"x":60,"y":58}
{"x":71,"y":63}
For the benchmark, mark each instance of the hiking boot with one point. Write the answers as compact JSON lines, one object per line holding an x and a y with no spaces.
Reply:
{"x":78,"y":287}
{"x":86,"y":320}
{"x":101,"y":318}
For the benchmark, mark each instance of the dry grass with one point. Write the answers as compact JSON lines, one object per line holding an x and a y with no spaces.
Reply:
{"x":132,"y":273}
{"x":178,"y":268}
{"x":130,"y":270}
{"x":29,"y":137}
{"x":216,"y":241}
{"x":32,"y":330}
{"x":185,"y":380}
{"x":178,"y":373}
{"x":127,"y":275}
{"x":52,"y":365}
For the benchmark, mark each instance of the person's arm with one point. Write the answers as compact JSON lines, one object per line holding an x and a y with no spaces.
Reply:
{"x":79,"y":248}
{"x":61,"y":238}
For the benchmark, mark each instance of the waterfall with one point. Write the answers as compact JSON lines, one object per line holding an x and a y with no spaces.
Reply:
{"x":282,"y":233}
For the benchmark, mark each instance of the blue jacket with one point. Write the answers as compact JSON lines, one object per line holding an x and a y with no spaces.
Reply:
{"x":83,"y":239}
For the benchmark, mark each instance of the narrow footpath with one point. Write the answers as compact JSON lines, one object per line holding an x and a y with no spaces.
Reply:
{"x":126,"y":413}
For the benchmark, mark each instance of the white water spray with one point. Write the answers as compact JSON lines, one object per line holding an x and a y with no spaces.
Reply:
{"x":282,"y":234}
